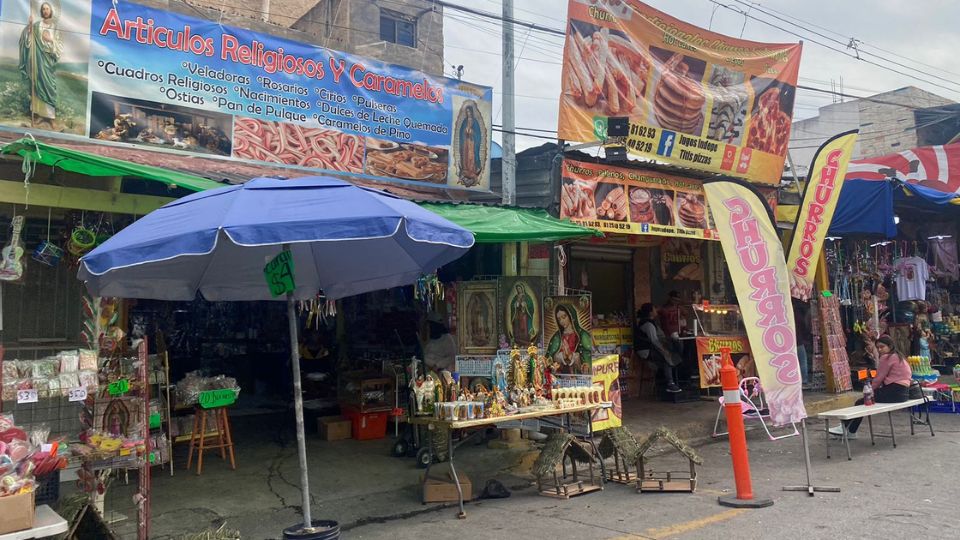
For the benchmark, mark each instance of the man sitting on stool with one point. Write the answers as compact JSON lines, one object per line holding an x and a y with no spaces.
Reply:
{"x":649,"y":342}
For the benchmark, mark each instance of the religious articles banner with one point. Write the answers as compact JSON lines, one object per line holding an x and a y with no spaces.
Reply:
{"x":128,"y":73}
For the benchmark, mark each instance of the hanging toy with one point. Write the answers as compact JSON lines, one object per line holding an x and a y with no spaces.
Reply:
{"x":82,"y":240}
{"x":46,"y":252}
{"x":429,"y":291}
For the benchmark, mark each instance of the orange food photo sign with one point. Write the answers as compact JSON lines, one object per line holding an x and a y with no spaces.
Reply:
{"x":694,"y":98}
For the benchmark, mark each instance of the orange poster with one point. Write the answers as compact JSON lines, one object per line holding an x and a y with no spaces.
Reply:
{"x":634,"y":201}
{"x":694,"y":98}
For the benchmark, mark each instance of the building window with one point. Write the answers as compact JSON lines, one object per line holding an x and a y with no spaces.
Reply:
{"x":398,"y":29}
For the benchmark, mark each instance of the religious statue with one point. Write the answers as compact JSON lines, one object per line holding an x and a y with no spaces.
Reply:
{"x":518,"y":370}
{"x":429,"y":394}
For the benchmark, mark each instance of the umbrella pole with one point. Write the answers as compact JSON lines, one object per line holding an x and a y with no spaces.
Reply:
{"x":298,"y":411}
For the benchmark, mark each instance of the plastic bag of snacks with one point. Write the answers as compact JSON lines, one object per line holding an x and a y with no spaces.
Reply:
{"x":46,"y":368}
{"x":67,"y":382}
{"x":42,"y":386}
{"x":87,"y":360}
{"x":25,"y":368}
{"x":88,"y":379}
{"x":10,"y":371}
{"x":16,"y":464}
{"x":69,"y":361}
{"x":9,"y":391}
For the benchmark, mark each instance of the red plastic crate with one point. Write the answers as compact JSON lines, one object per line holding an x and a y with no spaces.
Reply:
{"x":367,"y":426}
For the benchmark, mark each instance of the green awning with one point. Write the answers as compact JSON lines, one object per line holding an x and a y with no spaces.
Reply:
{"x":496,"y":224}
{"x":94,"y":165}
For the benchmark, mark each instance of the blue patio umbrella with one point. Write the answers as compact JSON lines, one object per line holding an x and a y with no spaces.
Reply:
{"x":344,"y":240}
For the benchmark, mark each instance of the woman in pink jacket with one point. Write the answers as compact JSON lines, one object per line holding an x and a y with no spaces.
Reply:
{"x":891,"y":385}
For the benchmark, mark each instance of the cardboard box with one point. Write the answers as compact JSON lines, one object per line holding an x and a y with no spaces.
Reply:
{"x":16,"y":513}
{"x":334,"y":428}
{"x":444,"y":490}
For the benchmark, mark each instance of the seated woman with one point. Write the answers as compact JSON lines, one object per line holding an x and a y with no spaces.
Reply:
{"x":891,"y":385}
{"x":650,"y":344}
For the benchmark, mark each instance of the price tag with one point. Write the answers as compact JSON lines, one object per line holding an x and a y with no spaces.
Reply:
{"x":217,"y":398}
{"x":77,"y":394}
{"x":279,"y":274}
{"x":119,"y":387}
{"x":27,"y":396}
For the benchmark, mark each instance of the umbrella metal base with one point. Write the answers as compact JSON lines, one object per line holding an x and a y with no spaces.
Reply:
{"x":321,"y":530}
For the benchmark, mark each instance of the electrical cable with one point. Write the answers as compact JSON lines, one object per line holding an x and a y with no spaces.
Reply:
{"x":807,"y":38}
{"x":757,"y":7}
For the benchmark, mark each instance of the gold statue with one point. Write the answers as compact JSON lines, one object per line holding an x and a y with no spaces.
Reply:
{"x":518,"y":371}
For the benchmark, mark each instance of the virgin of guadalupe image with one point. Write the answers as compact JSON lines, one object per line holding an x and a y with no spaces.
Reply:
{"x":40,"y":48}
{"x":470,"y":135}
{"x":522,"y":309}
{"x":479,"y":308}
{"x":570,"y":346}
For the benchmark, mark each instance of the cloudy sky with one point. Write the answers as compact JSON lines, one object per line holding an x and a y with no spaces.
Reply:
{"x":922,"y":32}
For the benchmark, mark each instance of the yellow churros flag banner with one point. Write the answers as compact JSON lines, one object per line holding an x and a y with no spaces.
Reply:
{"x":606,"y":372}
{"x":693,"y":97}
{"x":758,"y":270}
{"x":824,"y":181}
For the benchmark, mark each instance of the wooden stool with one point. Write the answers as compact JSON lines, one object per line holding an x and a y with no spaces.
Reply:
{"x":199,"y":436}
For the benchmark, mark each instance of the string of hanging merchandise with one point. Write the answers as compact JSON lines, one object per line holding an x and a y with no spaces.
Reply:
{"x":429,"y":291}
{"x":319,"y":310}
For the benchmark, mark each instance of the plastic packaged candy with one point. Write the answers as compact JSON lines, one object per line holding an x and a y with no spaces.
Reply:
{"x":67,"y":382}
{"x":87,"y":360}
{"x":69,"y":361}
{"x":10,"y":370}
{"x":9,"y":390}
{"x":88,"y":379}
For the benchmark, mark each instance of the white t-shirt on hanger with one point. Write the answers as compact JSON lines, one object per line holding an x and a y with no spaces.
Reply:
{"x":912,"y":275}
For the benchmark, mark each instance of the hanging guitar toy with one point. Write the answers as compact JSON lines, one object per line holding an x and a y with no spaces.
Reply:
{"x":11,"y":264}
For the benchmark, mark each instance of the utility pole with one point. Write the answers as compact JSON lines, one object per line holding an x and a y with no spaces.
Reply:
{"x":509,"y":161}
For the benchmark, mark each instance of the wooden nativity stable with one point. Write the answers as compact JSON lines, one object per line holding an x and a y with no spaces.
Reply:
{"x":559,"y":450}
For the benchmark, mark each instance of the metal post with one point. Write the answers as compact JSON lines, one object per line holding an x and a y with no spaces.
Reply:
{"x":809,"y":488}
{"x":509,"y":161}
{"x":298,"y":412}
{"x":738,"y":439}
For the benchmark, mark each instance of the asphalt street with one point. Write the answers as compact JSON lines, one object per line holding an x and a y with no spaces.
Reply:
{"x":903,"y":492}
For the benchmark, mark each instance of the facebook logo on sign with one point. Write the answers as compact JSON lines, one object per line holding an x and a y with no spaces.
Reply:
{"x":667,"y":140}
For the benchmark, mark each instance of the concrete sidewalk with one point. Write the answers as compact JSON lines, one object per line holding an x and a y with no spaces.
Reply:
{"x":358,"y":483}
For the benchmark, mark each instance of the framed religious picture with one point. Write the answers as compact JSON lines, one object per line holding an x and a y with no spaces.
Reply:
{"x":566,"y":332}
{"x":477,"y":317}
{"x":520,"y":302}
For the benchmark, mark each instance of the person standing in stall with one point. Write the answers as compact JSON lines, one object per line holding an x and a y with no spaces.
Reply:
{"x":440,"y":350}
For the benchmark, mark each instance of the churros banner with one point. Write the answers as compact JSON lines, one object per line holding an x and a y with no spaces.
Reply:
{"x":634,"y":201}
{"x":824,"y":182}
{"x":754,"y":255}
{"x":694,"y":98}
{"x":125,"y":72}
{"x":708,"y":358}
{"x":606,"y":372}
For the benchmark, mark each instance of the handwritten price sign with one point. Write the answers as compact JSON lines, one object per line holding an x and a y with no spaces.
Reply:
{"x":119,"y":388}
{"x":77,"y":394}
{"x":27,"y":396}
{"x":279,"y":274}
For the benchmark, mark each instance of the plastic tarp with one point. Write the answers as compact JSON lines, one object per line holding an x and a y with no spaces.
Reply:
{"x":93,"y":165}
{"x":864,"y":207}
{"x":867,"y":206}
{"x":494,"y":224}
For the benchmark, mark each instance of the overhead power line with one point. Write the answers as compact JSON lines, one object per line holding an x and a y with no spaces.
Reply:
{"x":832,"y":48}
{"x":852,"y":42}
